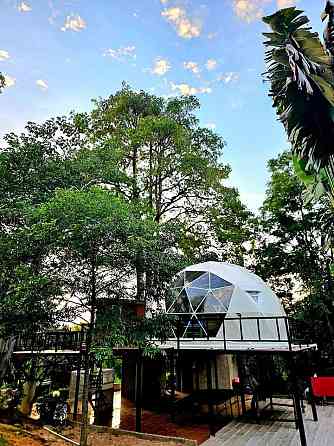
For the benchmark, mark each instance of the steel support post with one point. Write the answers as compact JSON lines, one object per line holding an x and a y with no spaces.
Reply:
{"x":77,"y":389}
{"x":209,"y":388}
{"x":139,"y":391}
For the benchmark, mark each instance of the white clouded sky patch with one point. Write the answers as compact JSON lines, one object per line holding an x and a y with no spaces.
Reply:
{"x":249,"y":10}
{"x":285,"y":3}
{"x":9,"y":80}
{"x":186,"y":27}
{"x":212,"y":35}
{"x":74,"y":23}
{"x":211,"y":64}
{"x":211,"y":125}
{"x":4,"y":55}
{"x":42,"y":84}
{"x":228,"y":77}
{"x":192,"y":66}
{"x":121,"y":53}
{"x":188,"y":90}
{"x":161,"y":66}
{"x":24,"y":7}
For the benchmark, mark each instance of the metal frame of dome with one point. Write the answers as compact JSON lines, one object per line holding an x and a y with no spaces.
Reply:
{"x":204,"y":294}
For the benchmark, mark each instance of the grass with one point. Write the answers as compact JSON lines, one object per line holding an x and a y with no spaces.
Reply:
{"x":3,"y":441}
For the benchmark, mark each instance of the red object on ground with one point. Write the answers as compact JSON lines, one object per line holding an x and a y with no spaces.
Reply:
{"x":323,"y":386}
{"x":236,"y":380}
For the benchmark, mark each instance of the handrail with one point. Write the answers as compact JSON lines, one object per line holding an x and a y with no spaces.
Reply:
{"x":54,"y":340}
{"x":280,"y":330}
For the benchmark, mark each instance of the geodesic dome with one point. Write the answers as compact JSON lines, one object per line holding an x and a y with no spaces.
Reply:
{"x":204,"y":294}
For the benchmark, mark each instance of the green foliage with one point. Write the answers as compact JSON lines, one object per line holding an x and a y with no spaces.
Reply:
{"x":291,"y":252}
{"x":3,"y":441}
{"x":33,"y":165}
{"x":151,"y":150}
{"x":110,"y":205}
{"x":301,"y":78}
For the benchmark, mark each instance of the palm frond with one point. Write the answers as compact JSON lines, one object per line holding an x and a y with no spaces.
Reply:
{"x":300,"y":73}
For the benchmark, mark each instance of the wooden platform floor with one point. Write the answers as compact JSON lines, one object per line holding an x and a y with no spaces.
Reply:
{"x":275,"y":433}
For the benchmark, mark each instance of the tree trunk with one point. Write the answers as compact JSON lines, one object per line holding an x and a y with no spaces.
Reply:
{"x":89,"y":340}
{"x":29,"y":390}
{"x":140,"y":277}
{"x":6,"y":351}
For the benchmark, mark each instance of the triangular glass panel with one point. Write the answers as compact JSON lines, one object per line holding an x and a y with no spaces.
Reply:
{"x":191,"y":276}
{"x":200,"y":308}
{"x":179,"y":281}
{"x":213,"y":305}
{"x":172,"y":294}
{"x":224,"y":296}
{"x":201,"y":282}
{"x":181,"y":304}
{"x":218,"y":282}
{"x":194,"y":329}
{"x":212,"y":323}
{"x":196,"y":296}
{"x":254,"y":295}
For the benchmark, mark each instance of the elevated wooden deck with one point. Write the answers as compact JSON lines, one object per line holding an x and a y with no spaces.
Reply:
{"x":276,"y":433}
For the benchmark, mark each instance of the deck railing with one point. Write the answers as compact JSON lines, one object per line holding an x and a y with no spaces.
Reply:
{"x":250,"y":329}
{"x":58,"y":340}
{"x":255,"y":330}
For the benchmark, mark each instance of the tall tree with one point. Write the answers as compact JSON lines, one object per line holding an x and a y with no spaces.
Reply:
{"x":153,"y":151}
{"x":32,"y":166}
{"x":91,"y":235}
{"x":291,"y":252}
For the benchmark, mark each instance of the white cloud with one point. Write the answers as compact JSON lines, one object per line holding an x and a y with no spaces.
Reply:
{"x":42,"y":84}
{"x":211,"y":64}
{"x":211,"y":125}
{"x":212,"y":35}
{"x":186,"y":27}
{"x":187,"y":90}
{"x":9,"y":81}
{"x":24,"y":7}
{"x":229,"y":77}
{"x":161,"y":66}
{"x":249,"y":10}
{"x":4,"y":55}
{"x":285,"y":3}
{"x":192,"y":66}
{"x":121,"y":53}
{"x":74,"y":23}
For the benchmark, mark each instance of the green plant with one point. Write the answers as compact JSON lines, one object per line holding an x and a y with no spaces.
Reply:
{"x":300,"y":74}
{"x":3,"y":441}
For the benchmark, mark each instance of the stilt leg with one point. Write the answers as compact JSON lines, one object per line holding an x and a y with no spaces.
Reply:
{"x":139,"y":390}
{"x":77,"y":389}
{"x":313,"y":405}
{"x":300,"y":420}
{"x":172,"y":384}
{"x":209,"y":386}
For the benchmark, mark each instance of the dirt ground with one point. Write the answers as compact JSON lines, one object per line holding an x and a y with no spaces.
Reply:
{"x":26,"y":435}
{"x":161,"y":424}
{"x":185,"y":427}
{"x":29,"y":435}
{"x":99,"y":439}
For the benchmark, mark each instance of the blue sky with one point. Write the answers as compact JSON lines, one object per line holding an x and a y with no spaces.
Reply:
{"x":57,"y":55}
